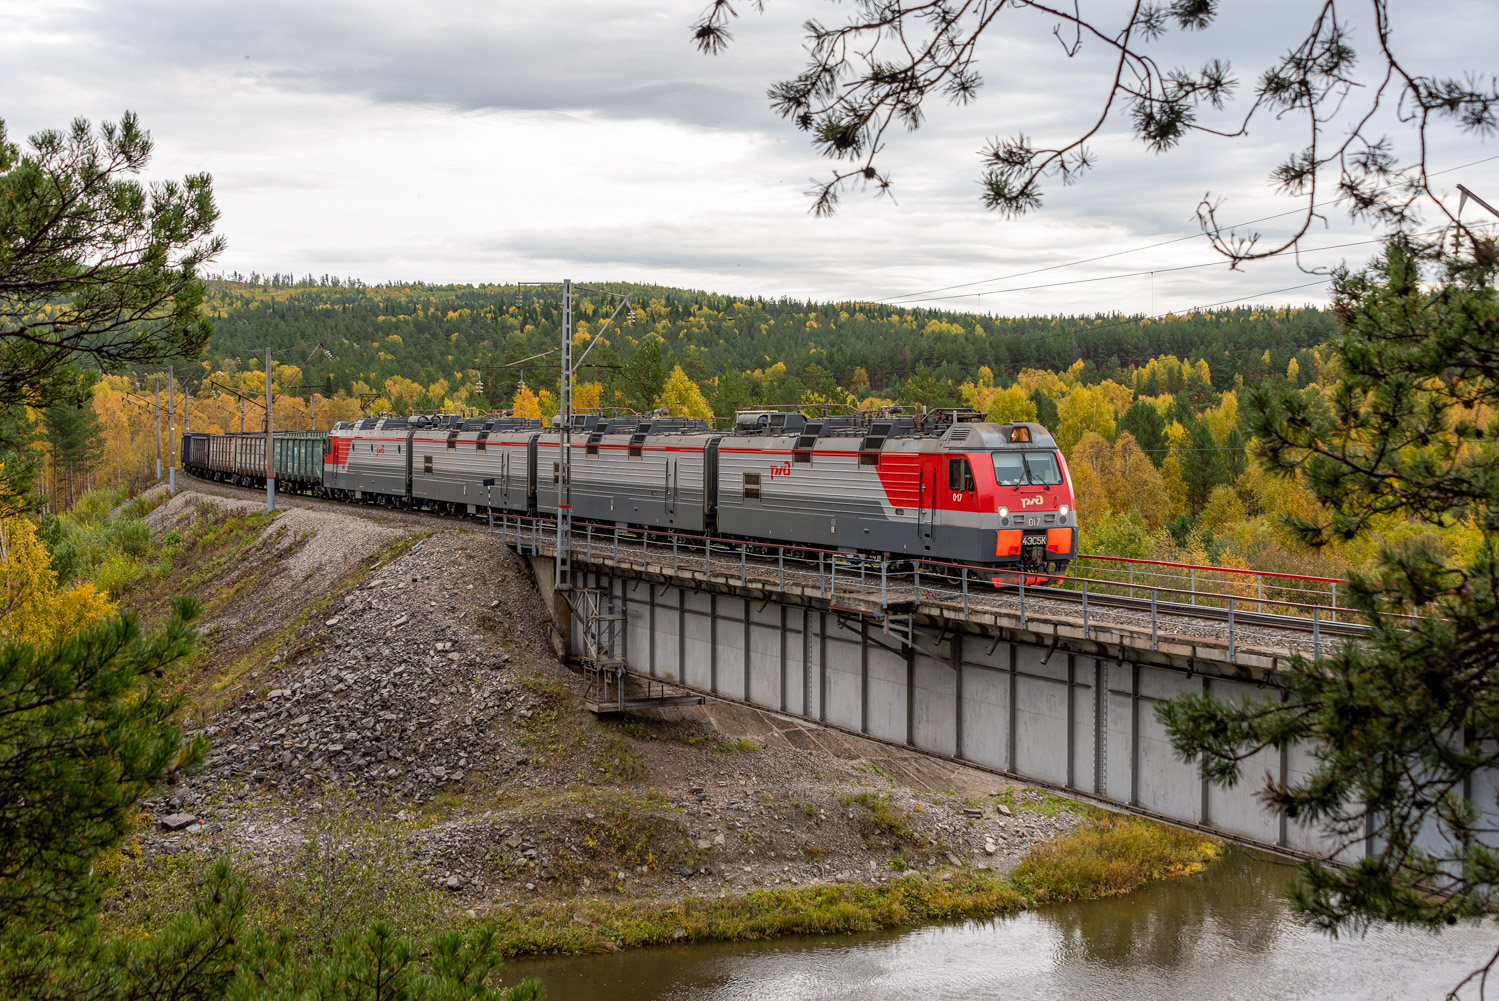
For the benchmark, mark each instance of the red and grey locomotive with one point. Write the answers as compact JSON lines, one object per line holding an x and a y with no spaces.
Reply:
{"x":942,"y":485}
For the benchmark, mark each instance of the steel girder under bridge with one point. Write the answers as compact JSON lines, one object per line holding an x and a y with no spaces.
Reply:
{"x":1044,"y":697}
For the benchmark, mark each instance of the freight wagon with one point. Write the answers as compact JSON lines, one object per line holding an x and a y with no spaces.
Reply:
{"x":240,"y":458}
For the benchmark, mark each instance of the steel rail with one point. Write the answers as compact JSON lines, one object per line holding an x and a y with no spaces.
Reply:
{"x":771,"y":571}
{"x":1179,"y":610}
{"x":976,"y":591}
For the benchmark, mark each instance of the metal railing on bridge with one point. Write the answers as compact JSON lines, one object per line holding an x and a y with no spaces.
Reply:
{"x":1239,"y":598}
{"x":1286,"y":593}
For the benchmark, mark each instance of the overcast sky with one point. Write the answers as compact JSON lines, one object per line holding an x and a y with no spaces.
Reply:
{"x":498,"y":140}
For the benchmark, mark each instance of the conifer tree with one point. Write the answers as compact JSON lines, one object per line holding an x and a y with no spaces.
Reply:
{"x":72,"y":433}
{"x":1148,"y":427}
{"x":1046,"y":410}
{"x":1403,"y":727}
{"x":639,"y":383}
{"x":95,"y":267}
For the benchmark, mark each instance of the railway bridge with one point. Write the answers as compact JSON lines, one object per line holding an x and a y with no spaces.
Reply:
{"x":1054,"y":685}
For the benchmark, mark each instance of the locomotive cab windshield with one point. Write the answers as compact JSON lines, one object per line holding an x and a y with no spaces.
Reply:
{"x":1019,"y":469}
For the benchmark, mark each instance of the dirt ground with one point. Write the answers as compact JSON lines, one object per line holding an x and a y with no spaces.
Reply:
{"x":399,"y":674}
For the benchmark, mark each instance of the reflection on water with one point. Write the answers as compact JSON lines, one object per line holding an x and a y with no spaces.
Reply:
{"x":1167,"y":924}
{"x":1221,"y":936}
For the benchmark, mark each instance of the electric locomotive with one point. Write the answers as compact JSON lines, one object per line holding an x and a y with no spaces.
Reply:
{"x":942,"y":485}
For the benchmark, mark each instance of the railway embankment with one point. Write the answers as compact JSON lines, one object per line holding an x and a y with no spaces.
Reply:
{"x":393,"y":736}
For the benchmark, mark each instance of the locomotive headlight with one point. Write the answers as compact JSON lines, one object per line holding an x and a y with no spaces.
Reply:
{"x":1063,"y":510}
{"x":1004,"y":512}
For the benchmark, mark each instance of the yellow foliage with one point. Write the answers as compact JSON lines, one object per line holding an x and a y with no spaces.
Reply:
{"x":1175,"y":482}
{"x":1032,"y":379}
{"x":1120,"y":478}
{"x":587,"y":395}
{"x":1224,"y":417}
{"x":36,"y":609}
{"x":681,"y":394}
{"x":399,"y":385}
{"x":1089,"y":496}
{"x":1082,"y":410}
{"x":525,"y":403}
{"x":1010,"y":404}
{"x":1223,"y":509}
{"x":1118,"y":397}
{"x":549,"y":405}
{"x":1279,"y":496}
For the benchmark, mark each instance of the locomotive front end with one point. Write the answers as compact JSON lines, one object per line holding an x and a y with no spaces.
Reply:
{"x":1032,"y":502}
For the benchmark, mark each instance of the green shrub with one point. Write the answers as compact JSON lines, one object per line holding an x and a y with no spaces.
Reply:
{"x":143,"y":505}
{"x":619,"y":762}
{"x":1126,"y":536}
{"x":880,"y":816}
{"x":132,"y":536}
{"x":115,"y":573}
{"x":65,"y":560}
{"x":1114,"y":855}
{"x":94,"y":506}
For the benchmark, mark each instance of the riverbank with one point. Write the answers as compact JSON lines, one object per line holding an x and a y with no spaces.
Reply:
{"x":1226,"y":934}
{"x":1106,"y":857}
{"x":394,"y":737}
{"x":334,"y":887}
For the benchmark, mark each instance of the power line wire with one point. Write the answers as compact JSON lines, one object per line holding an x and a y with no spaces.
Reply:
{"x":1153,"y":271}
{"x":1136,"y":250}
{"x":1127,"y":274}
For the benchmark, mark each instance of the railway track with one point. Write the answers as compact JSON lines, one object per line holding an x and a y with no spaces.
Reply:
{"x":1214,"y":613}
{"x":1293,"y":632}
{"x":860,"y":580}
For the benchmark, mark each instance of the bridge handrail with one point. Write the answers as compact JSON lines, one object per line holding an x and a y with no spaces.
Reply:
{"x":1198,"y":566}
{"x":838,"y":552}
{"x":980,"y":572}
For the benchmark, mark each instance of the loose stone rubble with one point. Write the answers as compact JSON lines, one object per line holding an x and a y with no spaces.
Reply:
{"x":426,"y":705}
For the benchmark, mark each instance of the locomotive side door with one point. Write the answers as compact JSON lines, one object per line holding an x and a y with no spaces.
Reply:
{"x":671,"y":486}
{"x":926,"y":502}
{"x":504,"y":476}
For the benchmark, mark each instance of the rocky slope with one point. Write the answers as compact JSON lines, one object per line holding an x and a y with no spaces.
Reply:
{"x":399,"y":675}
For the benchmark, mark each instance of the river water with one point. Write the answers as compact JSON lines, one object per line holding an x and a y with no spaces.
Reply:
{"x":1225,"y":935}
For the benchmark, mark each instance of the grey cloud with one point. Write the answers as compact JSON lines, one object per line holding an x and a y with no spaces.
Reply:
{"x":362,"y":67}
{"x":610,"y":59}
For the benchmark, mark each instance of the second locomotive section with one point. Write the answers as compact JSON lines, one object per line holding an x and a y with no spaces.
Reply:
{"x":935,"y":486}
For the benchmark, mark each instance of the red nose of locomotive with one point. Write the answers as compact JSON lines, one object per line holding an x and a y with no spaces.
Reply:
{"x":1033,"y":501}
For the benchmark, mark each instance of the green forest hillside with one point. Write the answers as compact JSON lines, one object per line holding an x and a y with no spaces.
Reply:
{"x":1147,"y":410}
{"x":451,"y":334}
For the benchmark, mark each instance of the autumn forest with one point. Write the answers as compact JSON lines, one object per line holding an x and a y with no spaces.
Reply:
{"x":1146,"y":409}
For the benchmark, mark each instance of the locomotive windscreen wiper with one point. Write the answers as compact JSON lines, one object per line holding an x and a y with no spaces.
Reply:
{"x":1043,"y":469}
